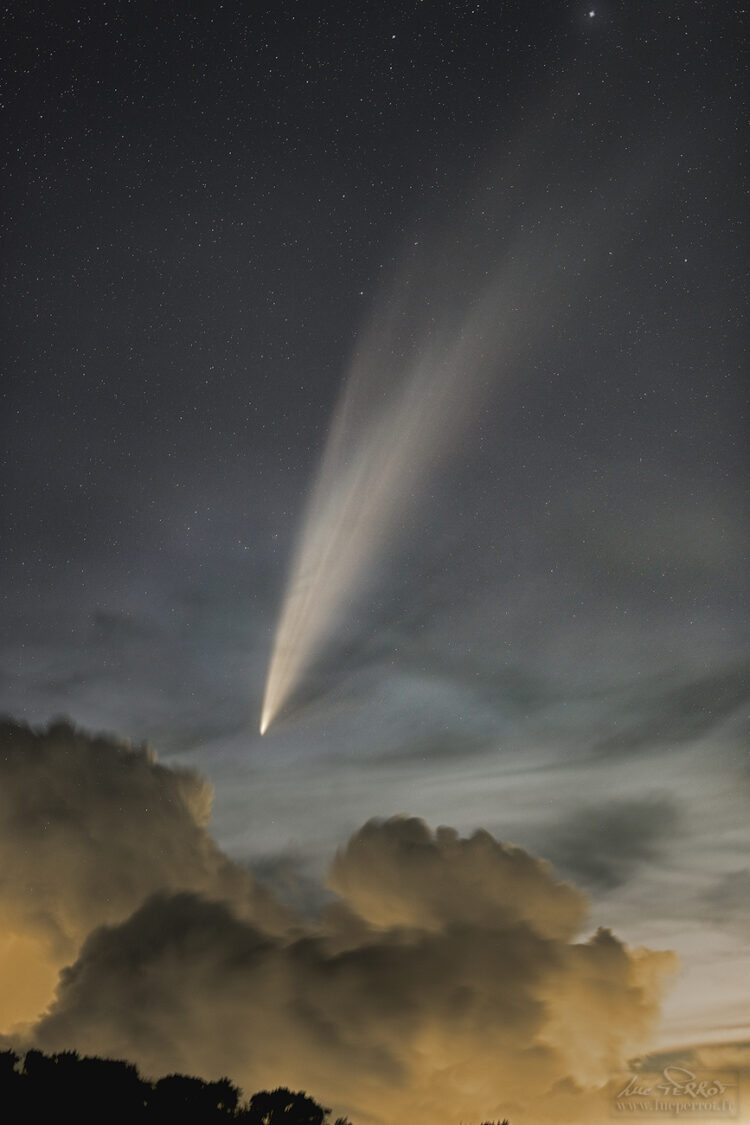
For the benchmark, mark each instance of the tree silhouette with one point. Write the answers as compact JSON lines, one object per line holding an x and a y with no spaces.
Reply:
{"x":95,"y":1087}
{"x":91,"y":1090}
{"x":8,"y":1062}
{"x":227,"y":1095}
{"x":193,"y":1101}
{"x":282,"y":1107}
{"x":11,"y":1086}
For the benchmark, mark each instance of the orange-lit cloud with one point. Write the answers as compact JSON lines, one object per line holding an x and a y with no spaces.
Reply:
{"x":447,"y":981}
{"x":89,"y":828}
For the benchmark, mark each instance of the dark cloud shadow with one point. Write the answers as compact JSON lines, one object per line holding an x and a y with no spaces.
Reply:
{"x":603,"y":847}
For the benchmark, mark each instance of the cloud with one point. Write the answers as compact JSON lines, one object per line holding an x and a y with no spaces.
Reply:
{"x":724,"y":1055}
{"x":604,"y":845}
{"x":399,"y":874}
{"x":684,"y":711}
{"x":444,"y":980}
{"x":705,"y":1065}
{"x":90,"y":827}
{"x":729,"y":899}
{"x":410,"y":1024}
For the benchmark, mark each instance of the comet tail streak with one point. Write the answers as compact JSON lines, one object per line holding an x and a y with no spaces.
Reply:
{"x":431,"y":355}
{"x":370,"y":472}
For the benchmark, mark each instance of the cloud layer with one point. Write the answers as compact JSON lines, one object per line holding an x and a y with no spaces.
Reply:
{"x":446,"y":981}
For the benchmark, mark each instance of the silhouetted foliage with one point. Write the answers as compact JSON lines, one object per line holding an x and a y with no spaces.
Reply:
{"x":282,"y":1107}
{"x":11,"y":1085}
{"x":91,"y":1090}
{"x":8,"y":1062}
{"x":193,"y":1099}
{"x":94,"y":1087}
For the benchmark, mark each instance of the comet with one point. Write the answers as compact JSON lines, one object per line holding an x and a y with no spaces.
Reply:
{"x":402,"y":406}
{"x":447,"y":334}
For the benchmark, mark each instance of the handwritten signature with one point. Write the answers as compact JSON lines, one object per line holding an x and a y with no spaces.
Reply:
{"x":675,"y":1082}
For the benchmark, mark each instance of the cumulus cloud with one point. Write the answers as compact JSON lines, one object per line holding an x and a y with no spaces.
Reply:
{"x":89,"y":828}
{"x":400,"y":874}
{"x":447,"y":981}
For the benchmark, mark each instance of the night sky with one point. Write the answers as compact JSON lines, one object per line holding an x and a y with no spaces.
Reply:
{"x":210,"y":213}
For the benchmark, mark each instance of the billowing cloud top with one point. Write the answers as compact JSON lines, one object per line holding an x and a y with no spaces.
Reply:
{"x":89,"y":828}
{"x":92,"y":827}
{"x":400,"y":874}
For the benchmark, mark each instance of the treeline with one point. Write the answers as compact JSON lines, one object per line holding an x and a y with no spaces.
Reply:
{"x":94,"y":1091}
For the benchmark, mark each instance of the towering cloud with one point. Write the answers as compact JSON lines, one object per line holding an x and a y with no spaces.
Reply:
{"x":445,"y":983}
{"x":89,"y":828}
